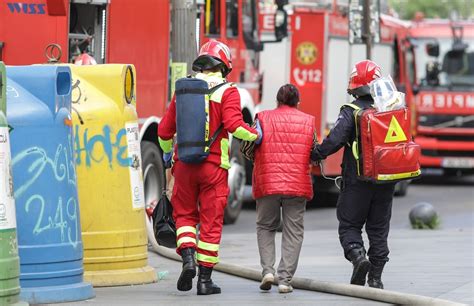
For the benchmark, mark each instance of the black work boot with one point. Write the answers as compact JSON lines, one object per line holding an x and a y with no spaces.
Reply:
{"x":360,"y":265}
{"x":205,"y":285}
{"x":185,"y":281}
{"x":375,"y":274}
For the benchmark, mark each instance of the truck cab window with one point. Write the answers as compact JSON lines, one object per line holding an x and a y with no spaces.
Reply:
{"x":232,"y":16}
{"x":410,"y":66}
{"x":249,"y":23}
{"x":212,"y":18}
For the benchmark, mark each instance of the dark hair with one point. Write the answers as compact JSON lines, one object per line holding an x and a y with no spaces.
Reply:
{"x":289,"y":95}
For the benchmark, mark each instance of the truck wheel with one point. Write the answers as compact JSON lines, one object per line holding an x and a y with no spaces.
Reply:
{"x":153,"y":182}
{"x":401,"y":188}
{"x":237,"y":180}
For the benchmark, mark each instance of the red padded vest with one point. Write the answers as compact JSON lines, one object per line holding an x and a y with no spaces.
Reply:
{"x":282,"y":160}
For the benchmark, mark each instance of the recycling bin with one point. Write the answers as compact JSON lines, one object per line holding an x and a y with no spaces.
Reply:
{"x":109,"y":173}
{"x":45,"y":184}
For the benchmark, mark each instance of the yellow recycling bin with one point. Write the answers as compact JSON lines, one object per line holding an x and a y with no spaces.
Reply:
{"x":109,"y":175}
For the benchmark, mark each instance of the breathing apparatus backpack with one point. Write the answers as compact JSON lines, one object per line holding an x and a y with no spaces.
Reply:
{"x":192,"y":119}
{"x":383,"y":148}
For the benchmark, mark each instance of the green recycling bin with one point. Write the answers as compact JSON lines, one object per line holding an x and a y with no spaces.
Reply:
{"x":9,"y":260}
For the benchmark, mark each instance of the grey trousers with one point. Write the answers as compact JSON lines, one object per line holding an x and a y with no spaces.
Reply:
{"x":268,"y":220}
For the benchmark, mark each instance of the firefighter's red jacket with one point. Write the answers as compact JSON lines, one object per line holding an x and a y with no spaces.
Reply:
{"x":282,"y":160}
{"x":224,"y":107}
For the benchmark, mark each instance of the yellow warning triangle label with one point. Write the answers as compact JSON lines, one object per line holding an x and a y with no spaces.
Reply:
{"x":395,"y":132}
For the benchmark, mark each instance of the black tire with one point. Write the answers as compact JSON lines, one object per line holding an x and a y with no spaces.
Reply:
{"x":401,"y":188}
{"x":153,"y":181}
{"x":237,"y":179}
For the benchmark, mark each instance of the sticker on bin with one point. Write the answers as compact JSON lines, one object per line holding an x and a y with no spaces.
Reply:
{"x":452,"y":162}
{"x":135,"y":167}
{"x":7,"y":202}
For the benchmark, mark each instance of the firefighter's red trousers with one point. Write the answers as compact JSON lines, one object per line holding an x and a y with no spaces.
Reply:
{"x":199,"y":197}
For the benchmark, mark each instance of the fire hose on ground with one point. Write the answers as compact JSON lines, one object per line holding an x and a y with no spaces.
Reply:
{"x":367,"y":293}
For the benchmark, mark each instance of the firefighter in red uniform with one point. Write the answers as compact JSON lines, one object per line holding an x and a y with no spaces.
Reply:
{"x":205,"y":182}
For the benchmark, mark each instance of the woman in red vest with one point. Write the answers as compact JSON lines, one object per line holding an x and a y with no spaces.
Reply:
{"x":281,"y":178}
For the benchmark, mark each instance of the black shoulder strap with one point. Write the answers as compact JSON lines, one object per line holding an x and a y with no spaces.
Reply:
{"x":215,"y":88}
{"x":214,"y":136}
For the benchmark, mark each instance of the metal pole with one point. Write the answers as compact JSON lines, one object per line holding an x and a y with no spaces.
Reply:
{"x":367,"y":32}
{"x":183,"y":32}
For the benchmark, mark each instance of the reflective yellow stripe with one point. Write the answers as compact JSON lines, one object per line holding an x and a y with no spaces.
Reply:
{"x":206,"y":258}
{"x":244,"y":134}
{"x":398,"y":176}
{"x":186,"y":239}
{"x":166,"y":145}
{"x":208,"y":246}
{"x":225,"y":164}
{"x":185,"y":229}
{"x":355,"y":150}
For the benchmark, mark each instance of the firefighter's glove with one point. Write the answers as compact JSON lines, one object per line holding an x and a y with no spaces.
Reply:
{"x":259,"y":131}
{"x":167,"y":159}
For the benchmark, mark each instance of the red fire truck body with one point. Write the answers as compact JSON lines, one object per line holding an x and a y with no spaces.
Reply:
{"x":317,"y":58}
{"x":436,"y":60}
{"x":138,"y":32}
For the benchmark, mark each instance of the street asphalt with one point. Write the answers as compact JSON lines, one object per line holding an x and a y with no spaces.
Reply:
{"x":436,"y":263}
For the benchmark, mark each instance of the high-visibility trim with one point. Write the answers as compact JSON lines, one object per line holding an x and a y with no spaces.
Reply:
{"x":216,"y":96}
{"x":186,"y":229}
{"x":351,"y":105}
{"x":356,"y":156}
{"x":208,"y":246}
{"x":398,"y":176}
{"x":166,"y":145}
{"x":207,"y":131}
{"x":244,"y":134}
{"x":355,"y":150}
{"x":207,"y":258}
{"x":225,"y":163}
{"x":186,"y":240}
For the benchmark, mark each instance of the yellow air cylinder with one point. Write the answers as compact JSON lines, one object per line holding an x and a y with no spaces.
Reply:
{"x":109,"y":175}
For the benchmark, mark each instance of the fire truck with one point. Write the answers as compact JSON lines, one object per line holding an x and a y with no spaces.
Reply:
{"x":317,"y":58}
{"x":138,"y":32}
{"x":435,"y":61}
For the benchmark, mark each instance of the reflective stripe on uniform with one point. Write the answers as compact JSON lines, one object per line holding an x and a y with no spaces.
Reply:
{"x":186,"y":240}
{"x":207,"y":258}
{"x":186,"y":229}
{"x":166,"y":145}
{"x":244,"y":134}
{"x":208,"y":246}
{"x":398,"y":176}
{"x":225,"y":164}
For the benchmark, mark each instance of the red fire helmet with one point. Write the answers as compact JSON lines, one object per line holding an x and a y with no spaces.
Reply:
{"x":363,"y":73}
{"x":212,"y":54}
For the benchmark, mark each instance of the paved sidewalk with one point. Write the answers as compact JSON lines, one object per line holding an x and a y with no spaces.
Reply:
{"x":436,"y":263}
{"x":432,"y":263}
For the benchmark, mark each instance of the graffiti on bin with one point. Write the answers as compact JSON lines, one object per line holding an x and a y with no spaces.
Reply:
{"x":97,"y":147}
{"x":60,"y":215}
{"x":12,"y":92}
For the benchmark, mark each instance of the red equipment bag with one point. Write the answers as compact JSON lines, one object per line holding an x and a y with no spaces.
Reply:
{"x":383,"y":149}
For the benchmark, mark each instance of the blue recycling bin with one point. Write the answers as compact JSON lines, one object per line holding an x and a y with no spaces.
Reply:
{"x":45,"y":185}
